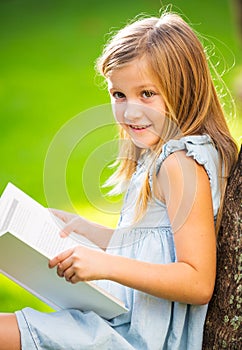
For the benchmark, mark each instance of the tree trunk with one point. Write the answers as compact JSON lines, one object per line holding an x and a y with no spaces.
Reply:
{"x":223,"y":329}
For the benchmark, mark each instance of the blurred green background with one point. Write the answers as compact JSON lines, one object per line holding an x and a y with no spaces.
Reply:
{"x":47,"y":54}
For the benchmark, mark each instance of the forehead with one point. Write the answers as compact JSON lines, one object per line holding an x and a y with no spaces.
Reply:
{"x":137,"y":72}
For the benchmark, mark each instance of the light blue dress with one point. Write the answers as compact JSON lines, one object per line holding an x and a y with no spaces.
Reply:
{"x":151,"y":323}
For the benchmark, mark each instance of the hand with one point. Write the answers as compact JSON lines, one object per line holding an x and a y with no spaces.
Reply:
{"x":73,"y":223}
{"x":81,"y":264}
{"x":98,"y":234}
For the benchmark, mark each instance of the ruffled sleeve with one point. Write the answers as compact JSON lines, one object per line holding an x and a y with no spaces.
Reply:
{"x":203,"y":151}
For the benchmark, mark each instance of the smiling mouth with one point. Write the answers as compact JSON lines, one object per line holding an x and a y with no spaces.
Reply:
{"x":139,"y":127}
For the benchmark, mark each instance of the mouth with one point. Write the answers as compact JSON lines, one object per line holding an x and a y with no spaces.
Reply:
{"x":139,"y":127}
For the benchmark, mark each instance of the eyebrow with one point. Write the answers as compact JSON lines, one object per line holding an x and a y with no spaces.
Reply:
{"x":144,"y":86}
{"x":139,"y":87}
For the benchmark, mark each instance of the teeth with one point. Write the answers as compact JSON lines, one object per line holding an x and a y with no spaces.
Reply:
{"x":138,"y":127}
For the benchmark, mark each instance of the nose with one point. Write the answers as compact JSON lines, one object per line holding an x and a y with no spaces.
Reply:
{"x":133,"y":112}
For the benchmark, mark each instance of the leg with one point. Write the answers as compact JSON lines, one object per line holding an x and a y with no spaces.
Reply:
{"x":9,"y":332}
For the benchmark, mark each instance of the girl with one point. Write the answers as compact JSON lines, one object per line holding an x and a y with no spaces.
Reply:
{"x":176,"y":154}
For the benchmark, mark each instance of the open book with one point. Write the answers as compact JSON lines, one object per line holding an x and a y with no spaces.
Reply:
{"x":29,"y":237}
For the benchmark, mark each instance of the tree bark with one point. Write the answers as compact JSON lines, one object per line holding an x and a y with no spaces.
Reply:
{"x":223,"y":329}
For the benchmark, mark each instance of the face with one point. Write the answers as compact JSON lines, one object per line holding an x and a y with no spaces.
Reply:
{"x":137,"y":104}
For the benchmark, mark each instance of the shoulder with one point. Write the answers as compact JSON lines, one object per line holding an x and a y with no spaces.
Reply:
{"x":180,"y":174}
{"x":184,"y":187}
{"x":189,"y":155}
{"x":198,"y":147}
{"x":179,"y":165}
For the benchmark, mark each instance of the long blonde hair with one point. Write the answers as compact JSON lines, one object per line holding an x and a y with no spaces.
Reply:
{"x":177,"y":59}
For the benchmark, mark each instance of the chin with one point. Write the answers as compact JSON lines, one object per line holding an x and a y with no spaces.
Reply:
{"x":144,"y":145}
{"x":140,"y":144}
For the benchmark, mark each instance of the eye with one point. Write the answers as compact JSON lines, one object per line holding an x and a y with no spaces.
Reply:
{"x":147,"y":93}
{"x":118,"y":95}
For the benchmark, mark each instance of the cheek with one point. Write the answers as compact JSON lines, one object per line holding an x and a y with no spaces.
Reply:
{"x":118,"y":112}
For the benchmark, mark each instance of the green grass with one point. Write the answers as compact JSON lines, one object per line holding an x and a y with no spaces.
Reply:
{"x":47,"y":55}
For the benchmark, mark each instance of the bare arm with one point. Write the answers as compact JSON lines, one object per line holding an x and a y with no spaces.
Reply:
{"x":186,"y":190}
{"x":191,"y":278}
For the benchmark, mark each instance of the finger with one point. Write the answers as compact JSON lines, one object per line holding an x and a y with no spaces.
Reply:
{"x":60,"y":257}
{"x":64,"y":232}
{"x":64,"y":266}
{"x":74,"y":279}
{"x":69,"y":275}
{"x":59,"y":213}
{"x":61,"y":218}
{"x":69,"y":228}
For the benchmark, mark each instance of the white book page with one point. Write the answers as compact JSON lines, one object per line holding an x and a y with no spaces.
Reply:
{"x":25,"y":224}
{"x":33,"y":224}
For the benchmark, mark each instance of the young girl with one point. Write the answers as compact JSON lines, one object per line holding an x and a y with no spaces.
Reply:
{"x":176,"y":154}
